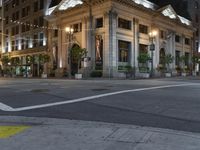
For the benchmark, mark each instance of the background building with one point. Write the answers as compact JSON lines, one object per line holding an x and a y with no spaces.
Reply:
{"x":25,"y":35}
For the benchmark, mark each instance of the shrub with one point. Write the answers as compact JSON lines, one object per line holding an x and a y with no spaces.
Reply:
{"x":96,"y":73}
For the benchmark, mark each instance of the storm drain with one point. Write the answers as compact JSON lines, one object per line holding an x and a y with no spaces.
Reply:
{"x":39,"y":90}
{"x":99,"y":90}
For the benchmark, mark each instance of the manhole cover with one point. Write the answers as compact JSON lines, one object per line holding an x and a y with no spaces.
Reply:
{"x":39,"y":90}
{"x":99,"y":89}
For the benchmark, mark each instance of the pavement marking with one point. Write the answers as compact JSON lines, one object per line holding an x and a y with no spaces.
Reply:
{"x":5,"y":107}
{"x":8,"y":131}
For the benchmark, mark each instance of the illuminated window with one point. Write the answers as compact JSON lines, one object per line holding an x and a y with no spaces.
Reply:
{"x":124,"y":49}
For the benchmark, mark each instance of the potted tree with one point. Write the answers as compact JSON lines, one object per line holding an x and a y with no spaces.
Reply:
{"x":43,"y":59}
{"x":195,"y":61}
{"x":168,"y":59}
{"x":183,"y":68}
{"x":77,"y":54}
{"x":6,"y":61}
{"x":143,"y":59}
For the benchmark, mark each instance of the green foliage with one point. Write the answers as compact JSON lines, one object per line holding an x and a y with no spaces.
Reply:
{"x":44,"y":58}
{"x":96,"y":73}
{"x":5,"y":60}
{"x":169,"y":59}
{"x":15,"y":61}
{"x":127,"y":68}
{"x":77,"y":53}
{"x":144,"y":69}
{"x":29,"y":59}
{"x":195,"y":59}
{"x":143,"y":58}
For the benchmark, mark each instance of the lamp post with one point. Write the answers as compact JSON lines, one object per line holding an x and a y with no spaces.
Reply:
{"x":152,"y":36}
{"x":69,"y":32}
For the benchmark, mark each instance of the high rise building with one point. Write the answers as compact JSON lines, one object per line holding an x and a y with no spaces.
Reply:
{"x":25,"y":34}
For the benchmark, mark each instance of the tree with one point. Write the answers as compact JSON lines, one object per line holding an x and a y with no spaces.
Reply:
{"x":168,"y":59}
{"x":143,"y":58}
{"x":44,"y":58}
{"x":5,"y":60}
{"x":77,"y":54}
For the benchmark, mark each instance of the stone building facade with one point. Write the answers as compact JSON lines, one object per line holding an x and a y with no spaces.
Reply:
{"x":114,"y":32}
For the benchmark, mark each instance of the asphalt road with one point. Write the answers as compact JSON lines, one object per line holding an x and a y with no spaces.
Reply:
{"x":165,"y":103}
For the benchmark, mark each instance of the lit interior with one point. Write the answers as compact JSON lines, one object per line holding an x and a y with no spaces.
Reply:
{"x":169,"y":13}
{"x":144,"y":3}
{"x":70,"y":3}
{"x":184,"y":20}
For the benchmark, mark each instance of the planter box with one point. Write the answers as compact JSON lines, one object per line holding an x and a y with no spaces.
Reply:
{"x":183,"y":74}
{"x":144,"y":75}
{"x":78,"y":76}
{"x":194,"y":74}
{"x":168,"y":75}
{"x":44,"y":75}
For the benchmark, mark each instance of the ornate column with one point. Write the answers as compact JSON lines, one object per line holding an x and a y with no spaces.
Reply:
{"x":110,"y":52}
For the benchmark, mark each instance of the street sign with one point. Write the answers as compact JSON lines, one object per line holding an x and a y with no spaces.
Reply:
{"x":152,"y":47}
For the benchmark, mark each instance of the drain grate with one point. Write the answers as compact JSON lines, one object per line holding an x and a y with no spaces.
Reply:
{"x":99,"y":89}
{"x":39,"y":90}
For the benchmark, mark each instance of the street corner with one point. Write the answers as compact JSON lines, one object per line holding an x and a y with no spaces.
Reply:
{"x":9,"y":131}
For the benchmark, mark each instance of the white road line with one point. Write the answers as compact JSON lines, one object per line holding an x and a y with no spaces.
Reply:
{"x":8,"y":108}
{"x":5,"y":107}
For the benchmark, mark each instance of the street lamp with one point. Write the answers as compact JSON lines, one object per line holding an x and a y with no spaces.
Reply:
{"x":69,"y":32}
{"x":152,"y":36}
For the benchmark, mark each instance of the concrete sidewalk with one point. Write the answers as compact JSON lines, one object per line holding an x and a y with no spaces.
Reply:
{"x":58,"y":134}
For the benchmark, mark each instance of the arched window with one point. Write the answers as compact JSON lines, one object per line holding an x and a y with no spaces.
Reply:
{"x":162,"y":56}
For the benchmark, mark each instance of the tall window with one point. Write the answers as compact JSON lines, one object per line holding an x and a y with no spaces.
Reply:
{"x":16,"y":44}
{"x":41,"y":39}
{"x":125,"y":24}
{"x":187,"y":41}
{"x":35,"y":5}
{"x":143,"y":29}
{"x":35,"y":40}
{"x":13,"y":45}
{"x":124,"y":50}
{"x":196,"y":5}
{"x":162,"y":34}
{"x":197,"y":32}
{"x":196,"y":18}
{"x":187,"y":56}
{"x":41,"y":4}
{"x":99,"y":22}
{"x":177,"y":38}
{"x":177,"y":58}
{"x":22,"y":44}
{"x":41,"y":21}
